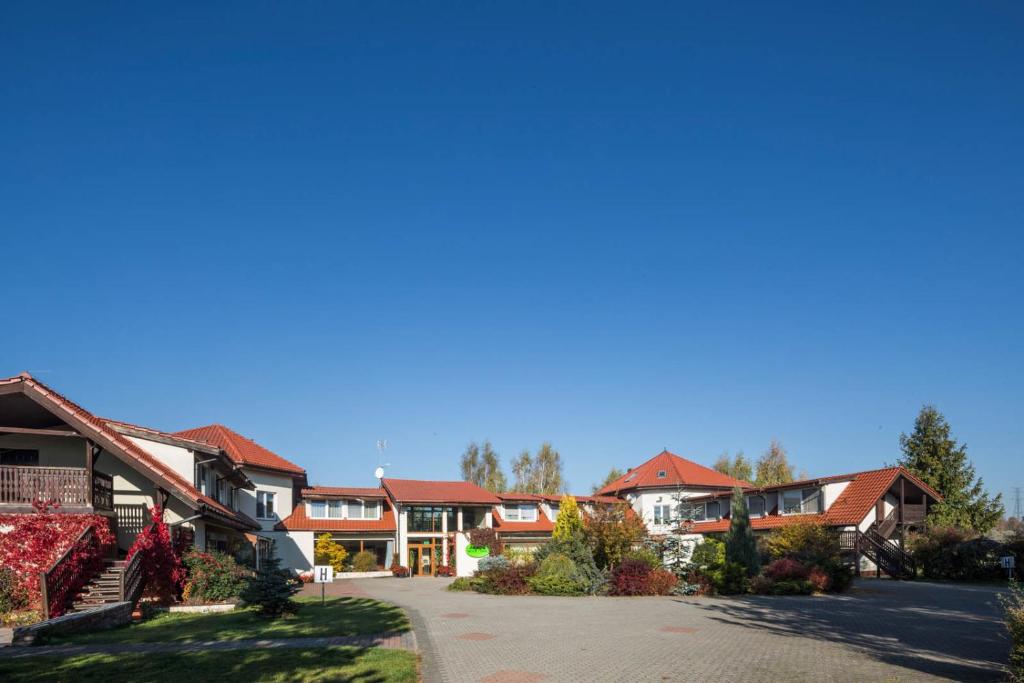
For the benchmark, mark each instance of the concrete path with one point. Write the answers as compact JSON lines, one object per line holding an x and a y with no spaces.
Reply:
{"x":880,"y":631}
{"x":395,"y":641}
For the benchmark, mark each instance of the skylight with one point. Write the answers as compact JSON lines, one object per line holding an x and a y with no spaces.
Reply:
{"x":662,"y":474}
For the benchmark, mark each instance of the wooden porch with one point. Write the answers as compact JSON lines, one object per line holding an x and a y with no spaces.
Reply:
{"x":75,"y":489}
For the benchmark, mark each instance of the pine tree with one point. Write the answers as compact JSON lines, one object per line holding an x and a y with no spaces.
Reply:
{"x":272,"y":588}
{"x":740,"y":546}
{"x":942,"y":463}
{"x":773,"y":466}
{"x":568,"y":524}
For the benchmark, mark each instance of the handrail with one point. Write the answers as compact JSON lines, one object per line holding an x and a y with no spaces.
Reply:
{"x":133,"y":577}
{"x":45,"y":589}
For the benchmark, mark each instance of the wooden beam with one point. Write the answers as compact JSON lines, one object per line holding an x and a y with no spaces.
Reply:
{"x":39,"y":432}
{"x":88,"y":470}
{"x":12,"y":388}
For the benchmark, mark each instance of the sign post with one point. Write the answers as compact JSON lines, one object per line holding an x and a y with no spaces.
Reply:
{"x":323,"y":574}
{"x":1008,"y":562}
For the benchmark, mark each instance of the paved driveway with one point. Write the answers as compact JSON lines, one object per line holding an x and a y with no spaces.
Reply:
{"x":880,"y":631}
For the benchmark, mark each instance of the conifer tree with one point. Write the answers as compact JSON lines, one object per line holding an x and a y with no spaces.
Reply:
{"x":931,"y":453}
{"x":568,"y":524}
{"x":740,"y":546}
{"x":272,"y":588}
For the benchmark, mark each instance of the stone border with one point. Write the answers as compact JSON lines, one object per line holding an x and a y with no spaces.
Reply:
{"x":95,"y":619}
{"x":199,"y":609}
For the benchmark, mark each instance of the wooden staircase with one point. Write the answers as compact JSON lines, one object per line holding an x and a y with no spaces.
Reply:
{"x":104,"y":588}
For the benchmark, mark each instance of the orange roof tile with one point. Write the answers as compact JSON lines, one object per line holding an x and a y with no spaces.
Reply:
{"x":242,"y":450}
{"x":299,"y":521}
{"x":677,"y":472}
{"x":416,"y":491}
{"x":361,"y":491}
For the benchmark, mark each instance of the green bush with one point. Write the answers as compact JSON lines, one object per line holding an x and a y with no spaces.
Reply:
{"x":556,"y":584}
{"x":732,"y":579}
{"x":557,"y":564}
{"x":13,"y":594}
{"x":957,"y":555}
{"x":792,"y":587}
{"x":810,"y":543}
{"x":213,"y":577}
{"x":577,"y":550}
{"x":1013,"y":605}
{"x":708,"y":556}
{"x":644,"y":555}
{"x":463,"y":583}
{"x":364,"y":561}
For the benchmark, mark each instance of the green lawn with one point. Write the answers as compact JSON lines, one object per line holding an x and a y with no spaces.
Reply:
{"x":319,"y":664}
{"x":345,"y":616}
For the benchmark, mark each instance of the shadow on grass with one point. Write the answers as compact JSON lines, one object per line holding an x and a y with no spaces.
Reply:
{"x":342,"y":616}
{"x":360,"y":665}
{"x":944,"y":631}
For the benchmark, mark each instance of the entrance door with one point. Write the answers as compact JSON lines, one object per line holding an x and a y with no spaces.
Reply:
{"x":421,"y":559}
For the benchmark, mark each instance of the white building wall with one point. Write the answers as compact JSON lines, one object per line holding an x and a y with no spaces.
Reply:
{"x":832,"y":491}
{"x":54,"y":451}
{"x":402,"y":515}
{"x":295,"y":548}
{"x":643,"y":503}
{"x":280,"y":485}
{"x":181,"y":460}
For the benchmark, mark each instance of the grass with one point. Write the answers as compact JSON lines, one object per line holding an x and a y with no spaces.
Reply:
{"x":318,"y":664}
{"x":341,"y":616}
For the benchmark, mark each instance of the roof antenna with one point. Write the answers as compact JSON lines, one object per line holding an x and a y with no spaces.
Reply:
{"x":382,"y":445}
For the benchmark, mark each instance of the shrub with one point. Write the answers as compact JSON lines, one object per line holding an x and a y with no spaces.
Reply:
{"x":957,"y":555}
{"x":559,"y":565}
{"x":398,"y":570}
{"x":740,"y":545}
{"x":556,"y":584}
{"x":305,"y":577}
{"x":329,"y":551}
{"x":487,"y":537}
{"x":662,"y":582}
{"x":512,"y":580}
{"x":364,"y":561}
{"x":493,"y":563}
{"x":786,"y":569}
{"x":1013,"y":606}
{"x":708,"y":556}
{"x":761,"y":585}
{"x":612,"y":532}
{"x":445,"y":570}
{"x":463,"y":583}
{"x":579,"y":552}
{"x":569,"y":522}
{"x":13,"y":595}
{"x":644,"y":555}
{"x":213,"y":577}
{"x":792,"y":587}
{"x":631,"y":577}
{"x":820,"y":579}
{"x":732,"y":579}
{"x":162,"y":567}
{"x":809,"y":542}
{"x":685,"y":588}
{"x":272,"y":588}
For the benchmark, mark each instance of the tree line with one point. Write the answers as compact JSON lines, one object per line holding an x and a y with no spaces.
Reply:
{"x":538,"y":473}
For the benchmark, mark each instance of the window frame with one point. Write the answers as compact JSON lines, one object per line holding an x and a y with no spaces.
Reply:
{"x":270,"y":496}
{"x":662,"y":514}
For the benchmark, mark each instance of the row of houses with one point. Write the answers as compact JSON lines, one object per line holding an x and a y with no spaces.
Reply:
{"x":226,"y":492}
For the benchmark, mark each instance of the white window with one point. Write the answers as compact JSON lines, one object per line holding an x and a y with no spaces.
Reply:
{"x":662,"y":514}
{"x":363,"y":509}
{"x":265,"y":505}
{"x":325,"y":509}
{"x":521,"y":513}
{"x":801,"y":501}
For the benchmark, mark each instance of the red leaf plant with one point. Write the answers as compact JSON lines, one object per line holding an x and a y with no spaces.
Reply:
{"x":32,"y":543}
{"x":165,"y":574}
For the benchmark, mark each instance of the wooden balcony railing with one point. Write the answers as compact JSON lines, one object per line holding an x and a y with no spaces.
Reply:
{"x":23,"y":485}
{"x":914,"y":513}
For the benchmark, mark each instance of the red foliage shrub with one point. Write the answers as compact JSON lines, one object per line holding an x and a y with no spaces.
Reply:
{"x":786,"y":569}
{"x":820,"y":579}
{"x":662,"y":581}
{"x":632,"y":577}
{"x":487,"y":537}
{"x":399,"y":571}
{"x":164,"y":571}
{"x":36,"y":541}
{"x":446,"y":570}
{"x":306,"y":577}
{"x":512,"y":579}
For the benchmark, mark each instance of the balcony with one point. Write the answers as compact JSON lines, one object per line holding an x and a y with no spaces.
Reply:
{"x":21,"y":486}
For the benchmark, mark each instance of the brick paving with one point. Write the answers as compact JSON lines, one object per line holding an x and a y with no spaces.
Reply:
{"x":879,"y":631}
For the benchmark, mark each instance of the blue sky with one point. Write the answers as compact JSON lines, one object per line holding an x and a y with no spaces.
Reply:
{"x":615,"y":227}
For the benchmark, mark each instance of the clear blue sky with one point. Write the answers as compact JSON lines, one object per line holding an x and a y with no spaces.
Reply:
{"x":618,"y":228}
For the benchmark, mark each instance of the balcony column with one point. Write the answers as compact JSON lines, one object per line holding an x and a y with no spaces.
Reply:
{"x":444,"y":535}
{"x":902,"y":502}
{"x":89,"y":486}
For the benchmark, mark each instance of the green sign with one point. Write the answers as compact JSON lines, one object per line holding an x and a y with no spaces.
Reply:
{"x":478,"y":550}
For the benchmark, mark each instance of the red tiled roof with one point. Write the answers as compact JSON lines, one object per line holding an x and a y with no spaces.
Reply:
{"x":542,"y":523}
{"x":242,"y":450}
{"x":678,"y":472}
{"x":415,"y":491}
{"x":515,"y":495}
{"x":849,"y":509}
{"x":358,"y":491}
{"x":128,"y":447}
{"x":299,"y":521}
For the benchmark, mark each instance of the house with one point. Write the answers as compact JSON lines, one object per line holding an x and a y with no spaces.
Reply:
{"x":654,"y":488}
{"x":52,"y":449}
{"x":524,"y":521}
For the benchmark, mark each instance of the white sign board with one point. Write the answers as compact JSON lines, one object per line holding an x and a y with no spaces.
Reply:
{"x":323,"y":573}
{"x":1008,"y":561}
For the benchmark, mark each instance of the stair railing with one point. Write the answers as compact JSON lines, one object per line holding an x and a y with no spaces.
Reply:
{"x":133,"y":577}
{"x":60,"y":582}
{"x":891,"y":558}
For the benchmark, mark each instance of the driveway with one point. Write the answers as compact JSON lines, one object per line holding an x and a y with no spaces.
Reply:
{"x":880,"y":631}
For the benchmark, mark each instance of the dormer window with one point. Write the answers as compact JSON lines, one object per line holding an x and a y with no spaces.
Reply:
{"x":521,"y":513}
{"x":801,"y":501}
{"x":662,"y":474}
